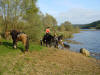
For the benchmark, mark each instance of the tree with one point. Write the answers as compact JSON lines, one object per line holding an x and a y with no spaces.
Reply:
{"x":61,"y":28}
{"x":68,"y":26}
{"x":50,"y":21}
{"x":21,"y":14}
{"x":1,"y":18}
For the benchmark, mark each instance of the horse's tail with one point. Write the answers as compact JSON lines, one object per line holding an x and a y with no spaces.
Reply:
{"x":27,"y":43}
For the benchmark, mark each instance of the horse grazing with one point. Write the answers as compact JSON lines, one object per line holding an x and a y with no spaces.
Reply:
{"x":19,"y":36}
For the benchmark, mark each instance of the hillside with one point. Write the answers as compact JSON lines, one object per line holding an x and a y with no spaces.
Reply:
{"x":45,"y":61}
{"x":95,"y":25}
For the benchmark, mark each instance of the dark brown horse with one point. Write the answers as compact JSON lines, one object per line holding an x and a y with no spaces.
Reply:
{"x":50,"y":40}
{"x":47,"y":40}
{"x":19,"y":36}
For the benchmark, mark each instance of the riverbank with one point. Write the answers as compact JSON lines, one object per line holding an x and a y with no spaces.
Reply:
{"x":88,"y":29}
{"x":46,"y":61}
{"x":86,"y":39}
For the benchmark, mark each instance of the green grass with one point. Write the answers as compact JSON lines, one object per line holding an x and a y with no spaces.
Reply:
{"x":8,"y":56}
{"x":7,"y":47}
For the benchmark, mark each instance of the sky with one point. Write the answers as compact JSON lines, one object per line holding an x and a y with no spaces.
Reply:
{"x":75,"y":11}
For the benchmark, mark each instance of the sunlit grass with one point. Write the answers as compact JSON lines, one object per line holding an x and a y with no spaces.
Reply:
{"x":7,"y":47}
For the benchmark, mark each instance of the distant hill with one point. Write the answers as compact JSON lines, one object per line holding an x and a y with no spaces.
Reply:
{"x":93,"y":25}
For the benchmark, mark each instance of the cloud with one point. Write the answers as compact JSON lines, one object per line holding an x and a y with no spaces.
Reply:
{"x":54,"y":7}
{"x":75,"y":11}
{"x":79,"y":16}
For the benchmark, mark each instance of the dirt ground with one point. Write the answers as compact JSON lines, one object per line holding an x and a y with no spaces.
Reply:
{"x":49,"y":62}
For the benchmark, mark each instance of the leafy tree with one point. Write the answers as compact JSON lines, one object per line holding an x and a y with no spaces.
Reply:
{"x":77,"y":29}
{"x":1,"y":18}
{"x":68,"y":26}
{"x":61,"y":28}
{"x":22,"y":15}
{"x":49,"y":21}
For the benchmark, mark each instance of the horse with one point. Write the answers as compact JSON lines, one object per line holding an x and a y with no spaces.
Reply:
{"x":50,"y":40}
{"x":19,"y":36}
{"x":63,"y":44}
{"x":47,"y":39}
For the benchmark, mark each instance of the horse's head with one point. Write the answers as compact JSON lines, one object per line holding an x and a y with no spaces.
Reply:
{"x":14,"y":33}
{"x":60,"y":37}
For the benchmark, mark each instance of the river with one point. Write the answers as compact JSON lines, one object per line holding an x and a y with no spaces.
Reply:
{"x":89,"y":40}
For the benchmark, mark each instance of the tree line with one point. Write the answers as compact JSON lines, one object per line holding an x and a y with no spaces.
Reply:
{"x":24,"y":15}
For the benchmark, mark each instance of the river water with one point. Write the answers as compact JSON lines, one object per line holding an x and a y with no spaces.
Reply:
{"x":89,"y":40}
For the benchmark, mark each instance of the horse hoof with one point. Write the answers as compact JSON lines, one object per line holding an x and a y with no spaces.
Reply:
{"x":26,"y":51}
{"x":15,"y":47}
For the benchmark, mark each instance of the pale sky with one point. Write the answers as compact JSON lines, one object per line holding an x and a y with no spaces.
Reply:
{"x":75,"y":11}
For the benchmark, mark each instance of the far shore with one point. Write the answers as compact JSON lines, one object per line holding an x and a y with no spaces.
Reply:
{"x":89,"y":29}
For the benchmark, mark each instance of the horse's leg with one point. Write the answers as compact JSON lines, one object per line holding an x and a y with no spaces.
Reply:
{"x":41,"y":42}
{"x":14,"y":44}
{"x":56,"y":44}
{"x":50,"y":44}
{"x":46,"y":44}
{"x":26,"y":43}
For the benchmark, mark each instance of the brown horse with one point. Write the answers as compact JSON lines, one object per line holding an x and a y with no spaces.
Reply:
{"x":19,"y":36}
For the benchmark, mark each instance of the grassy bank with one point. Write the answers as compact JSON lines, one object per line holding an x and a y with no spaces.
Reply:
{"x":7,"y":47}
{"x":45,"y":61}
